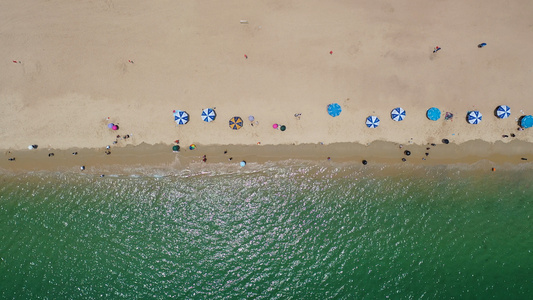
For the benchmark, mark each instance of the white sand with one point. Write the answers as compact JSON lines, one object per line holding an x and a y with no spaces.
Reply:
{"x":189,"y":55}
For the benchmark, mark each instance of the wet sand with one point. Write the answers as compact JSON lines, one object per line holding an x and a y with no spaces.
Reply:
{"x":150,"y":159}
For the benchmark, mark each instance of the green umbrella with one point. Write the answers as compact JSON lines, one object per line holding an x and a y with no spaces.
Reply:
{"x":283,"y":127}
{"x":176,"y":148}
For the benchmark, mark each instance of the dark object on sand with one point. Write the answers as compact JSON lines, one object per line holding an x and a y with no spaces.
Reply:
{"x":433,"y":145}
{"x":225,"y":151}
{"x":482,"y":45}
{"x":404,"y":160}
{"x":50,"y":154}
{"x":523,"y":158}
{"x":445,"y":141}
{"x":74,"y":153}
{"x":82,"y":168}
{"x":448,"y":116}
{"x":365,"y":162}
{"x":427,"y":154}
{"x":407,"y":152}
{"x":34,"y":146}
{"x":505,"y":136}
{"x":513,"y":135}
{"x":11,"y":159}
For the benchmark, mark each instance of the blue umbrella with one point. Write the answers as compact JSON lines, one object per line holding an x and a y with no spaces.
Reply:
{"x":334,"y":109}
{"x":433,"y":114}
{"x":372,"y":122}
{"x":181,"y":117}
{"x":526,"y":121}
{"x":503,"y":111}
{"x":208,"y":115}
{"x":474,"y":117}
{"x":398,"y":114}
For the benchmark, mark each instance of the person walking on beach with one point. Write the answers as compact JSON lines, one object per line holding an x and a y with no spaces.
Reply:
{"x":436,"y":49}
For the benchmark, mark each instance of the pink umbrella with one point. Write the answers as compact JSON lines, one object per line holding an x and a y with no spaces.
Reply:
{"x":275,"y":126}
{"x":115,"y":127}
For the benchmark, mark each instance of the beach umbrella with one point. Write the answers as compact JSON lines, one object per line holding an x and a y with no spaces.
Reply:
{"x":235,"y":123}
{"x":283,"y":128}
{"x":482,"y":45}
{"x":433,"y":114}
{"x":251,"y":118}
{"x":181,"y":117}
{"x":334,"y":109}
{"x":208,"y":115}
{"x":192,"y":147}
{"x":110,"y":125}
{"x":526,"y":121}
{"x":372,"y":122}
{"x":115,"y":127}
{"x":275,"y":126}
{"x":474,"y":117}
{"x":398,"y":114}
{"x":175,"y":148}
{"x":503,"y":111}
{"x":243,"y":163}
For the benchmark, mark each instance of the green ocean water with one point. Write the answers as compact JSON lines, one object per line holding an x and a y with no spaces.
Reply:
{"x":272,"y":231}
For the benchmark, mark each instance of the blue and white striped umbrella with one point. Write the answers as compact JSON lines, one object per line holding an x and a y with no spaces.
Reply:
{"x":208,"y":115}
{"x":372,"y":122}
{"x":398,"y":114}
{"x":503,"y":111}
{"x":474,"y":117}
{"x":181,"y":117}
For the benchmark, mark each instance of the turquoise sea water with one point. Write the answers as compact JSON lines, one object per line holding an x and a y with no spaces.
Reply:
{"x":274,"y":231}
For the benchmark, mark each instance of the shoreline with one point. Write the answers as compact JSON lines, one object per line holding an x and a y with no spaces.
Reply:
{"x":160,"y":158}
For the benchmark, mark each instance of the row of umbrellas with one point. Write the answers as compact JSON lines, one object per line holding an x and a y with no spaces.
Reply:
{"x":473,"y":117}
{"x":181,"y":117}
{"x":208,"y":115}
{"x":434,"y":114}
{"x":334,"y":110}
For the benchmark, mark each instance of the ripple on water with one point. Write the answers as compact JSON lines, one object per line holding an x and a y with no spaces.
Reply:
{"x":277,"y":231}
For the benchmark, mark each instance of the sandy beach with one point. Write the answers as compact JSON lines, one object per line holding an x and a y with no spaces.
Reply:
{"x":70,"y":68}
